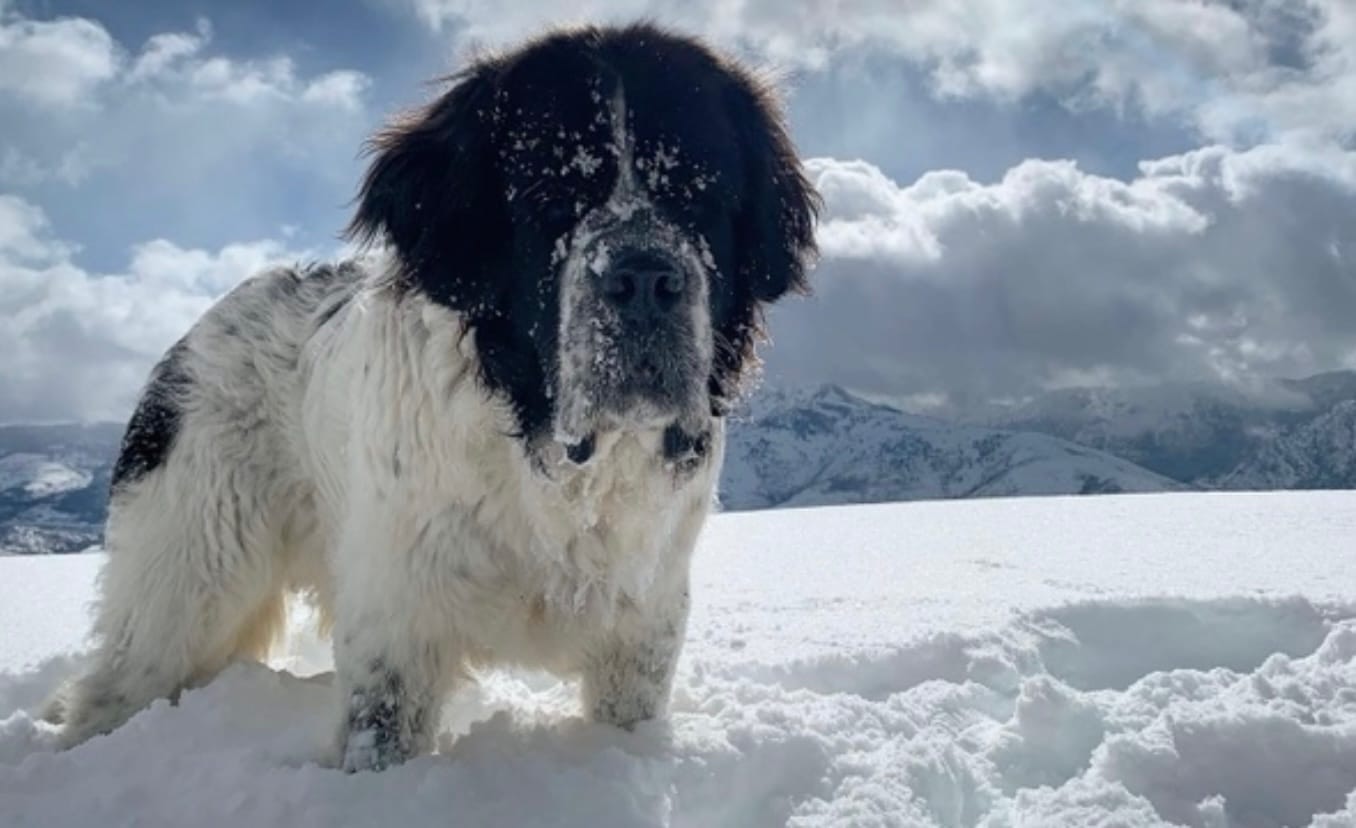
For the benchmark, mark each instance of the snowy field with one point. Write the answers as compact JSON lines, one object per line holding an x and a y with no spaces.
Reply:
{"x":1185,"y":659}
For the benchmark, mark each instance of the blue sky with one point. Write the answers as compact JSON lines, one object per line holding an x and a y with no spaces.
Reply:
{"x":1022,"y":194}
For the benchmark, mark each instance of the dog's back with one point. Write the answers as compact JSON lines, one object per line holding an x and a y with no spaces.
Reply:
{"x":235,"y":367}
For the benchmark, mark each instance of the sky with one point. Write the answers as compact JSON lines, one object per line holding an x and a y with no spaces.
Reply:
{"x":1021,"y":195}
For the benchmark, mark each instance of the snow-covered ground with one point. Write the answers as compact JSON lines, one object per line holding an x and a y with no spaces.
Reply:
{"x":1131,"y":660}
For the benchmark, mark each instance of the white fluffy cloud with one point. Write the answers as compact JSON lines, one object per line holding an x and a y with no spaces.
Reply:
{"x":172,"y":137}
{"x":1237,"y":71}
{"x":1212,"y":265}
{"x":54,"y":63}
{"x":78,"y":344}
{"x":135,"y":143}
{"x":175,"y":60}
{"x":72,"y":62}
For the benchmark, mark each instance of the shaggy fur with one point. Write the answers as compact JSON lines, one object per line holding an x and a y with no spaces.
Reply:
{"x":495,"y":440}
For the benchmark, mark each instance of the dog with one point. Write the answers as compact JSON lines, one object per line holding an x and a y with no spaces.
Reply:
{"x":492,"y":436}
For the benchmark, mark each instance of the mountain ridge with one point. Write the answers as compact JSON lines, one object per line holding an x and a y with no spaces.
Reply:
{"x":829,"y":446}
{"x":792,"y":447}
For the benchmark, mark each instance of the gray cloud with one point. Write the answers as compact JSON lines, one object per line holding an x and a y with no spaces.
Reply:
{"x":1213,"y":265}
{"x":1237,"y":71}
{"x":1227,"y":262}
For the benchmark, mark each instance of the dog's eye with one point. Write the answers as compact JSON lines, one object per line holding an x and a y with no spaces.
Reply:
{"x":556,"y":212}
{"x":696,"y":212}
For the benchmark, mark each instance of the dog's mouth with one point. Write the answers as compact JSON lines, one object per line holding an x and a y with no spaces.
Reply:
{"x":685,"y":450}
{"x":624,"y":378}
{"x":680,"y":447}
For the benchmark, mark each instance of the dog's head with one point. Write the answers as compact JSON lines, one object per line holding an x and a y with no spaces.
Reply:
{"x":608,"y":209}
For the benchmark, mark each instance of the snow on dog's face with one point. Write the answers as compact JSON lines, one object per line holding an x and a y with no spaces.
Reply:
{"x":609,"y":209}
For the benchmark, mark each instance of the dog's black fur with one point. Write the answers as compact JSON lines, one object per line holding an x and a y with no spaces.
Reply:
{"x":457,"y":188}
{"x":155,"y":424}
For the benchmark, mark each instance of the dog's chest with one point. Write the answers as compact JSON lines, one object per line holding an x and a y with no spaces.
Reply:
{"x":574,"y":553}
{"x":604,"y":530}
{"x":493,"y":525}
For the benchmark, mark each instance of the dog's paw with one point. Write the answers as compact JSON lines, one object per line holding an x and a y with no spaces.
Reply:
{"x":370,"y":750}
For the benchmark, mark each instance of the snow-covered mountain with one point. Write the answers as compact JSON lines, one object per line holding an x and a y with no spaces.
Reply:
{"x":796,"y":448}
{"x":790,"y":448}
{"x":1320,"y":454}
{"x":1212,"y":436}
{"x":54,"y":485}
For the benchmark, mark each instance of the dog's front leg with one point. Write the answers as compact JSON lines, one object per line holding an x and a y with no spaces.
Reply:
{"x":392,"y":657}
{"x":390,"y":714}
{"x":628,"y":674}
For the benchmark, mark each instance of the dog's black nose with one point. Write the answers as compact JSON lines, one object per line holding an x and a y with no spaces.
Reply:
{"x":641,"y":282}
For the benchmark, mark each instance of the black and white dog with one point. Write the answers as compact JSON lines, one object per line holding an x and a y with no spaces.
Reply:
{"x":494,"y":440}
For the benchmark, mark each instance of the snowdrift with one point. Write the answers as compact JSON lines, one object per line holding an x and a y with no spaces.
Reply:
{"x":1182,"y":659}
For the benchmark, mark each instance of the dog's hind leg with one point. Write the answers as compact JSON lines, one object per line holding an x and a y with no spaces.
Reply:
{"x":192,"y":581}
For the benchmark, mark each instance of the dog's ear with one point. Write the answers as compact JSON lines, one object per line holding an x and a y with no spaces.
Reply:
{"x":432,"y":191}
{"x":774,"y":229}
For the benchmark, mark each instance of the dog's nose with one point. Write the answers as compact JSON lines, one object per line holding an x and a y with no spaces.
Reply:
{"x":642,"y":282}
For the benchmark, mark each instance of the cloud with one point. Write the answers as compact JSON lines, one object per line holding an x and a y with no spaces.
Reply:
{"x":1227,"y":262}
{"x":77,"y":344}
{"x":1239,"y":72}
{"x":173,"y":138}
{"x":73,"y":57}
{"x":74,"y":62}
{"x":1217,"y":265}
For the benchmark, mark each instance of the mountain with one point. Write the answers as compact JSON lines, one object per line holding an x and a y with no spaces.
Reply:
{"x":1321,"y":454}
{"x":803,"y":448}
{"x":793,"y":448}
{"x":787,"y":449}
{"x":54,"y":485}
{"x":1212,"y":436}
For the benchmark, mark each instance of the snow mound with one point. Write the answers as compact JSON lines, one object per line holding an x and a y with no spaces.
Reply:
{"x":1123,"y":661}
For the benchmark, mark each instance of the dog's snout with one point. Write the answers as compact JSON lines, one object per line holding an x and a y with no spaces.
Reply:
{"x":643,"y":283}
